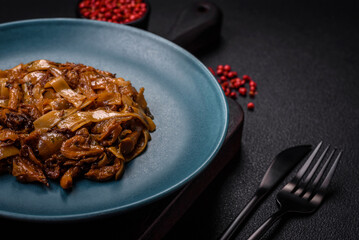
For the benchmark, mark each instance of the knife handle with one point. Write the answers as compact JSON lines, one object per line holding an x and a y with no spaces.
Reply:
{"x":267,"y":224}
{"x":242,"y":216}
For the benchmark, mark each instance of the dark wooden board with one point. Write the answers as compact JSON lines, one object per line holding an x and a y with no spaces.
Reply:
{"x":181,"y":202}
{"x":152,"y":221}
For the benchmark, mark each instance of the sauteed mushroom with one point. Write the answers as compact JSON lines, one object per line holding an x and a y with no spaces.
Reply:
{"x":63,"y":121}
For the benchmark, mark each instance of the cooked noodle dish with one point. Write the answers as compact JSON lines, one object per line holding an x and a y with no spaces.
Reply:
{"x":66,"y":121}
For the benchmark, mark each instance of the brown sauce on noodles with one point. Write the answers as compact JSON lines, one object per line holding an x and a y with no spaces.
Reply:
{"x":64,"y":121}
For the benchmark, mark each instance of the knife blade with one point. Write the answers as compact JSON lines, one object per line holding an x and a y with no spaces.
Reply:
{"x":281,"y":165}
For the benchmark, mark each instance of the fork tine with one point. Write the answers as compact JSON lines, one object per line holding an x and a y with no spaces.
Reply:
{"x":290,"y":202}
{"x":330,"y":174}
{"x":305,"y":166}
{"x":320,"y":174}
{"x":309,"y":192}
{"x":311,"y":173}
{"x":302,"y":185}
{"x":319,"y":194}
{"x":292,"y":185}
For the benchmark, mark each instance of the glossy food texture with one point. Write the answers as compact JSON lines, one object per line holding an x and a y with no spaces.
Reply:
{"x":62,"y":121}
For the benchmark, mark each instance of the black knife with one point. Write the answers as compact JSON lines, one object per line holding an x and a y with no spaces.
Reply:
{"x":282,"y":164}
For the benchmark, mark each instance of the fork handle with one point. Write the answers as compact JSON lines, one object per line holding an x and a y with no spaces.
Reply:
{"x":267,"y":225}
{"x":241,"y":217}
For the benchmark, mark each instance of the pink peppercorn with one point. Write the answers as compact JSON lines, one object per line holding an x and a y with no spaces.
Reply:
{"x":252,"y":83}
{"x":225,"y":84}
{"x":227,"y":67}
{"x":223,"y":78}
{"x":246,"y":78}
{"x":233,"y":94}
{"x":230,"y":75}
{"x":219,"y":71}
{"x":252,"y":93}
{"x":242,"y":91}
{"x":250,"y":106}
{"x":117,"y":11}
{"x":232,"y":85}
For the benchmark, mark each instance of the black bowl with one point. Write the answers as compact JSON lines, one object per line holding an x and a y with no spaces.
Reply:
{"x":139,"y":23}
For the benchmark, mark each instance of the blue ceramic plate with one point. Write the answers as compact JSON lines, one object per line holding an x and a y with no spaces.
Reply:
{"x":189,"y":107}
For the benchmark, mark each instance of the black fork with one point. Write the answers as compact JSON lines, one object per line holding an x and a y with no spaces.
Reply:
{"x":305,"y":192}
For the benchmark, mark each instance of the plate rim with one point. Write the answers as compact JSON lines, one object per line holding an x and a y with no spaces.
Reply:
{"x":154,"y":197}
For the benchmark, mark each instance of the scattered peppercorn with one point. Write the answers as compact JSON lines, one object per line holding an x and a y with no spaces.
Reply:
{"x":246,"y":78}
{"x":233,"y":94}
{"x":219,"y":72}
{"x":231,"y":83}
{"x":252,"y":84}
{"x":250,"y":106}
{"x":117,"y":11}
{"x":232,"y":74}
{"x":252,"y":94}
{"x":226,"y":67}
{"x":242,"y":91}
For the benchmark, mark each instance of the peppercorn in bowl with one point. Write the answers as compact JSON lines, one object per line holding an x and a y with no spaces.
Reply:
{"x":130,"y":12}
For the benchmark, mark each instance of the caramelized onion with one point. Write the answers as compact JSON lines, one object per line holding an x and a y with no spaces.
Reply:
{"x":8,"y":151}
{"x":61,"y":87}
{"x":78,"y":147}
{"x":65,"y":120}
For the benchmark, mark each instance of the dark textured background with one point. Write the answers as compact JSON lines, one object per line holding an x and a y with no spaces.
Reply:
{"x":304,"y":57}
